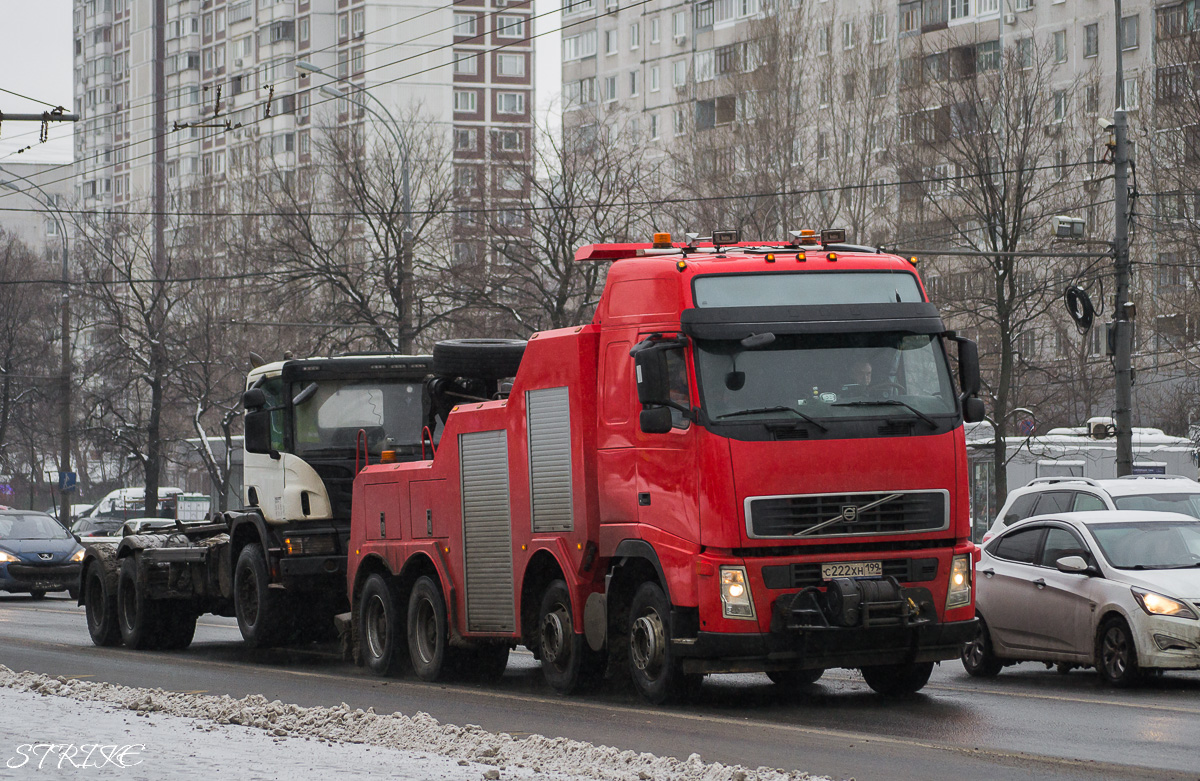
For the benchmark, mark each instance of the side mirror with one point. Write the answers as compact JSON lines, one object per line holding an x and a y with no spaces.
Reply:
{"x":258,"y":432}
{"x":656,"y":420}
{"x":973,"y":409}
{"x":254,"y":398}
{"x":305,"y":394}
{"x":650,"y":367}
{"x":968,"y":367}
{"x":1075,"y":565}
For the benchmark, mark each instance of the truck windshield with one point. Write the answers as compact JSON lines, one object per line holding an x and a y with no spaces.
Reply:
{"x":825,"y":376}
{"x":806,"y":287}
{"x":390,"y":413}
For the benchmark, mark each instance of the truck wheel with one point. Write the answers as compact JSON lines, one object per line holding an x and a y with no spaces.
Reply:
{"x":487,"y":359}
{"x":136,"y":615}
{"x":898,"y":679}
{"x":427,"y":633}
{"x":37,"y":594}
{"x":177,"y":626}
{"x":1116,"y":655}
{"x":568,"y":662}
{"x":657,"y":674}
{"x":977,"y":657}
{"x":260,"y":611}
{"x":795,"y":679}
{"x":100,"y":606}
{"x":379,"y":631}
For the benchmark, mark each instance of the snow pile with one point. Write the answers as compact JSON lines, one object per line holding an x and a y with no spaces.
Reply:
{"x":548,"y":758}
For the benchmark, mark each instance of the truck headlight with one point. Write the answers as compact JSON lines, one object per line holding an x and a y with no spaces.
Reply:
{"x":959,"y":593}
{"x":735,"y":593}
{"x":1158,"y":605}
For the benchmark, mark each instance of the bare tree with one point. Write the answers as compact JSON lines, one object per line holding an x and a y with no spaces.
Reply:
{"x":594,"y":183}
{"x":988,"y":150}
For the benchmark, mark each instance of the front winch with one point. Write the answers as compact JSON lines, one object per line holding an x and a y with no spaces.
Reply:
{"x":855,"y":602}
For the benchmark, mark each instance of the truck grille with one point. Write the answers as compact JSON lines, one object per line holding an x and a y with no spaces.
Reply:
{"x":808,"y":573}
{"x":857,"y":514}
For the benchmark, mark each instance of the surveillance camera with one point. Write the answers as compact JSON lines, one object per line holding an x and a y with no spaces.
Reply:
{"x":1105,"y":124}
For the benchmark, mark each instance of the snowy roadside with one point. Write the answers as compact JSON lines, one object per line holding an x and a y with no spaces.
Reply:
{"x":155,"y":734}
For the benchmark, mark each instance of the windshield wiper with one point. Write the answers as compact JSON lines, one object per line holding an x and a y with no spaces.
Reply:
{"x":888,"y":403}
{"x":777,"y":408}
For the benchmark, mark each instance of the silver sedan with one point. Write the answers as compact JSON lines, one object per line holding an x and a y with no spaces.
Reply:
{"x":1114,"y":590}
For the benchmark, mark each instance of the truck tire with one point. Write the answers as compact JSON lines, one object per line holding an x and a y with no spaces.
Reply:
{"x":482,"y":664}
{"x":978,"y":659}
{"x":177,"y":624}
{"x":261,"y":611}
{"x":795,"y":679}
{"x":380,"y":635}
{"x":37,"y":594}
{"x":427,"y":630}
{"x":137,"y":615}
{"x":898,"y":679}
{"x":100,"y":606}
{"x":568,"y":662}
{"x":488,"y":359}
{"x":657,"y":674}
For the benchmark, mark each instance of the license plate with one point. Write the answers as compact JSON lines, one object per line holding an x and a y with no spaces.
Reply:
{"x":852,"y":569}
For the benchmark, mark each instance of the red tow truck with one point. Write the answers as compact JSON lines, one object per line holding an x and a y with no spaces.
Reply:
{"x":751,"y":460}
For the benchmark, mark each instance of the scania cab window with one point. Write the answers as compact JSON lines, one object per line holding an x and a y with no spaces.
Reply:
{"x":825,"y":377}
{"x":807,"y":287}
{"x":331,"y":419}
{"x":677,"y":374}
{"x":273,"y":389}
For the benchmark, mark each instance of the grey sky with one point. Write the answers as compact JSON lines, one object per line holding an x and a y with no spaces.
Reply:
{"x":35,"y":60}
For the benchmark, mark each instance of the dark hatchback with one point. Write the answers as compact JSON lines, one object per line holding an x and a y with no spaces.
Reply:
{"x":37,"y":554}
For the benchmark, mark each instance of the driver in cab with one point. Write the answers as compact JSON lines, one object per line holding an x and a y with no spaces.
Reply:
{"x":858,"y":379}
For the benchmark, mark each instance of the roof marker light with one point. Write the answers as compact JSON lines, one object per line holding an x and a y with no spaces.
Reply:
{"x":662,"y":241}
{"x":800,"y":257}
{"x":832,"y":256}
{"x":770,"y":257}
{"x":681,"y":265}
{"x":913,"y":260}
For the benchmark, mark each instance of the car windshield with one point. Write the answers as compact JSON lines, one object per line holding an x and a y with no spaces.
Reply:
{"x":825,"y":376}
{"x":32,"y":526}
{"x":1186,"y":503}
{"x":391,"y":414}
{"x":1149,"y":544}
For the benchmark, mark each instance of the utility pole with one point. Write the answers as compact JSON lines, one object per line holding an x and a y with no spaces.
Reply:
{"x":1123,"y":309}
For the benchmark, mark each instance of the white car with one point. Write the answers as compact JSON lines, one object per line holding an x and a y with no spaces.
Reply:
{"x":1114,"y":590}
{"x":1046,"y":495}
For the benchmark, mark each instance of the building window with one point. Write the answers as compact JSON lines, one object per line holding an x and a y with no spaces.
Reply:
{"x":508,"y":141}
{"x":1061,"y":105}
{"x":704,"y":66}
{"x":464,"y":24}
{"x":960,"y":9}
{"x":654,"y":30}
{"x":358,"y":23}
{"x":1060,"y":46}
{"x":1129,"y":32}
{"x":1131,"y":92}
{"x":610,"y":41}
{"x":610,"y":89}
{"x":654,"y":78}
{"x":510,"y":103}
{"x":635,"y":83}
{"x":1091,"y":99}
{"x":824,"y":36}
{"x":680,"y":122}
{"x":847,"y":35}
{"x":879,"y":28}
{"x":510,"y":26}
{"x":654,"y":127}
{"x":988,"y":56}
{"x":466,"y":139}
{"x":466,"y":63}
{"x":466,"y":101}
{"x":910,"y":17}
{"x":510,"y":65}
{"x":679,"y":74}
{"x":679,"y":25}
{"x":635,"y":35}
{"x":1091,"y":39}
{"x":1025,"y":52}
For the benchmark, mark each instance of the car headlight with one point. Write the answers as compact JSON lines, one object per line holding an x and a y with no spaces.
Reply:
{"x":1158,"y":605}
{"x":735,"y":593}
{"x":959,"y":593}
{"x":78,"y":555}
{"x":6,"y":557}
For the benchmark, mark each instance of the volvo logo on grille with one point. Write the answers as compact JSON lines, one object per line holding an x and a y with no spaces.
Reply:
{"x":849,"y":513}
{"x":45,"y":556}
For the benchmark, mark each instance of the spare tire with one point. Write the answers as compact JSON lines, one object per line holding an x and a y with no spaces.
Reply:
{"x":487,"y":359}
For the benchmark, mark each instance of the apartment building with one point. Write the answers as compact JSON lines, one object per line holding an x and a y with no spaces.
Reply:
{"x":269,"y":72}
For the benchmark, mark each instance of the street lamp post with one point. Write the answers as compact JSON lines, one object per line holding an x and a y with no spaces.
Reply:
{"x":64,"y":457}
{"x":405,"y":272}
{"x":1123,"y":308}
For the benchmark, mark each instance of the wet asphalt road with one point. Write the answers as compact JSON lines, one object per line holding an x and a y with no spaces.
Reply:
{"x":1027,"y":723}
